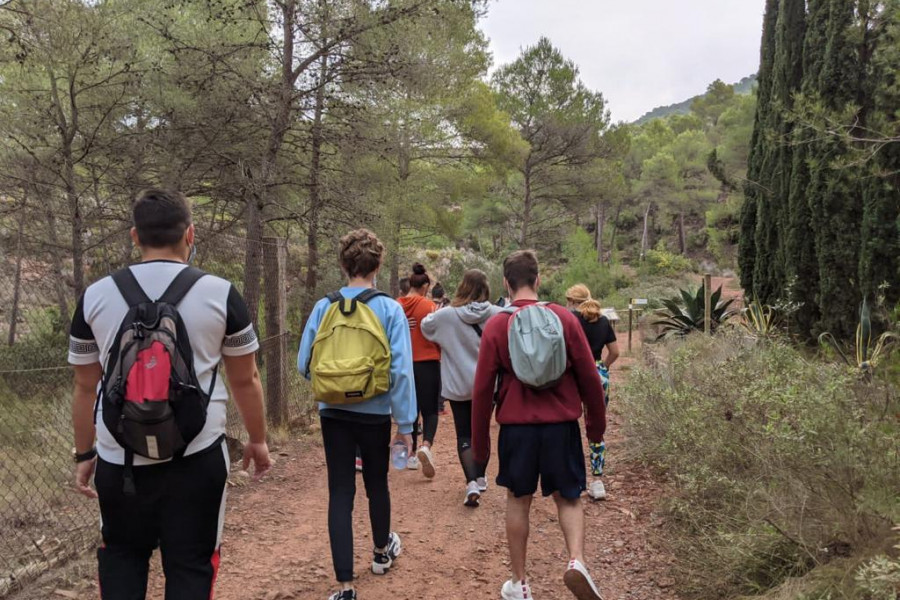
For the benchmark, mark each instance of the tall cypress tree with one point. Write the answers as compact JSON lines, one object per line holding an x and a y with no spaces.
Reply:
{"x":835,"y":191}
{"x":800,"y":250}
{"x":880,"y":252}
{"x":754,"y":188}
{"x":772,"y":217}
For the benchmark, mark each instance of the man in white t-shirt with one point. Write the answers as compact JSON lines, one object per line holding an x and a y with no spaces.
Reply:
{"x":178,"y":505}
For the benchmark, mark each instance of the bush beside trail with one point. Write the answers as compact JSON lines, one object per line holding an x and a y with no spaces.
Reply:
{"x":785,"y":469}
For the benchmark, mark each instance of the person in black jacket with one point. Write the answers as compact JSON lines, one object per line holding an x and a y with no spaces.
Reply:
{"x":601,"y":336}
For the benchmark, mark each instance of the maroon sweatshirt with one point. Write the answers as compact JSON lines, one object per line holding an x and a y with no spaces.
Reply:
{"x":519,"y":404}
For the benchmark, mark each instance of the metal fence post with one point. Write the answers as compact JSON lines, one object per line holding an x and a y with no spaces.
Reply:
{"x":275,"y":347}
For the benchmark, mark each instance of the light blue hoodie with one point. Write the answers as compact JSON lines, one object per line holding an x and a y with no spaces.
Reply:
{"x":400,"y":400}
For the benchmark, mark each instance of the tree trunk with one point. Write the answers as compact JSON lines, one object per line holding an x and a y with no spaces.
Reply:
{"x":17,"y":284}
{"x":56,"y":265}
{"x":601,"y":222}
{"x":315,"y":197}
{"x":615,"y":231}
{"x":645,"y":236}
{"x":259,"y":191}
{"x":526,"y":209}
{"x":682,"y":238}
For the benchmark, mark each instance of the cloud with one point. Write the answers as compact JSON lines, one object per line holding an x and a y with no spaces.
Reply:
{"x":639,"y":54}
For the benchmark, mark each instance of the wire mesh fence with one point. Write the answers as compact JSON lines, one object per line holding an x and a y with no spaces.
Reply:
{"x":42,"y":520}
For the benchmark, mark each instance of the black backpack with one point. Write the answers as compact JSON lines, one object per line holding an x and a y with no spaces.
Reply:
{"x":152,"y":401}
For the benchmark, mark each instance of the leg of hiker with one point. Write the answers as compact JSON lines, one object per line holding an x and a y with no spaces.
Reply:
{"x":428,"y":394}
{"x":374,"y":446}
{"x":192,"y":514}
{"x":340,"y":458}
{"x":130,"y":531}
{"x":571,"y":521}
{"x":476,"y":484}
{"x":517,"y":529}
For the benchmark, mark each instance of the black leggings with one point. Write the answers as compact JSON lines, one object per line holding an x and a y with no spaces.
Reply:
{"x":462,"y":419}
{"x":427,"y":374}
{"x":341,"y":440}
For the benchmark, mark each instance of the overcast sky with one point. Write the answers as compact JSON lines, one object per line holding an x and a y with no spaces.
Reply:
{"x":640,"y":53}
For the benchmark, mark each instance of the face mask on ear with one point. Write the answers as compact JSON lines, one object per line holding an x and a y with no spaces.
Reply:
{"x":193,"y":254}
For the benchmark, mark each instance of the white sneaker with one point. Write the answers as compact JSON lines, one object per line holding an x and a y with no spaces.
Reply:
{"x":384,"y":559}
{"x":426,"y":459}
{"x":473,"y":495}
{"x":482,"y":484}
{"x":516,"y":590}
{"x":412,"y":463}
{"x":597,"y":490}
{"x":579,"y":582}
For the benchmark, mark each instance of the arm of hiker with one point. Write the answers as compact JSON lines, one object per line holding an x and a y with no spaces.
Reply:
{"x":87,"y":377}
{"x":246,"y":387}
{"x":483,"y":393}
{"x":429,"y":327}
{"x":612,"y":353}
{"x":309,"y":336}
{"x":402,"y":393}
{"x":590,"y":386}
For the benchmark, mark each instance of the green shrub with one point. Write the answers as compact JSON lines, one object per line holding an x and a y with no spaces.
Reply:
{"x":663,"y":262}
{"x":779,"y":464}
{"x":582,"y":267}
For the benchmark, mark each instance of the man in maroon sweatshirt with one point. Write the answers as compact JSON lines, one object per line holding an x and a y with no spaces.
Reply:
{"x":539,"y":434}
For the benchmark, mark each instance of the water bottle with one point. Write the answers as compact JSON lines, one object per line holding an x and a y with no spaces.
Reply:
{"x":399,"y":454}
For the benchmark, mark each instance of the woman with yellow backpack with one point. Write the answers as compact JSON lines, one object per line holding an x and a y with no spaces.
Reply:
{"x":356,"y":351}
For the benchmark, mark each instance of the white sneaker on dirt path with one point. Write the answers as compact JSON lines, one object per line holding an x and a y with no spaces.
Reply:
{"x":384,"y":559}
{"x":579,"y":582}
{"x":597,"y":490}
{"x":516,"y":590}
{"x":482,"y":484}
{"x":426,"y":460}
{"x":412,"y":463}
{"x":473,"y":495}
{"x":343,"y":595}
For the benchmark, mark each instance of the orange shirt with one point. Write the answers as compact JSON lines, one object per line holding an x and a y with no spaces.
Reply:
{"x":416,"y":309}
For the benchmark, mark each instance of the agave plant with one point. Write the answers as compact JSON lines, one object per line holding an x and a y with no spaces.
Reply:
{"x":685,"y":314}
{"x":760,"y":320}
{"x":867,"y":353}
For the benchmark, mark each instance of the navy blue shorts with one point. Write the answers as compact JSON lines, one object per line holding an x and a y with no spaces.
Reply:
{"x":551,"y":453}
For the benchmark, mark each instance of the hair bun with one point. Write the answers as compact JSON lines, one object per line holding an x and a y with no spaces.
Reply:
{"x":418,"y":269}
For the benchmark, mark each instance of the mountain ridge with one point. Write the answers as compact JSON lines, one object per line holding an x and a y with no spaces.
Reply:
{"x":744,"y":86}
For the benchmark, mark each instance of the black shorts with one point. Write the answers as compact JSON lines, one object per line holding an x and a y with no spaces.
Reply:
{"x":550,"y":452}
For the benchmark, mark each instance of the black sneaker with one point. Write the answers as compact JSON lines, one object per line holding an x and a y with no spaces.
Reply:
{"x":385,"y":559}
{"x":343,"y":595}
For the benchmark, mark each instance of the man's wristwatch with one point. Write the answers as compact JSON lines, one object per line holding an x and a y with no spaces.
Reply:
{"x":80,"y":458}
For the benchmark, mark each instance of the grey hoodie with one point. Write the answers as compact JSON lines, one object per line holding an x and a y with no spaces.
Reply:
{"x":452,"y":329}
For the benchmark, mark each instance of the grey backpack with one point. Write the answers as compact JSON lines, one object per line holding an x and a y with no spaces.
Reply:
{"x":537,"y":345}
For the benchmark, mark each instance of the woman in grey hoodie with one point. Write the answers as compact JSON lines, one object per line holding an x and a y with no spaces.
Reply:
{"x":457,"y":330}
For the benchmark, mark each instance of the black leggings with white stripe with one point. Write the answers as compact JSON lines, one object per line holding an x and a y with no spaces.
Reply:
{"x":179,"y":507}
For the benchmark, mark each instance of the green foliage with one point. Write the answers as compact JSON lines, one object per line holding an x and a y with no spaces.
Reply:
{"x":582,"y":267}
{"x":686,"y":313}
{"x":778,"y":463}
{"x":760,"y":321}
{"x":868,"y":352}
{"x":665,"y":263}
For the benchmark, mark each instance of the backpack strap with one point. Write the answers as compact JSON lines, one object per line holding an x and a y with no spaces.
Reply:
{"x":366,"y":295}
{"x":334,"y":296}
{"x":478,"y":329}
{"x":181,"y":285}
{"x":129,"y":287}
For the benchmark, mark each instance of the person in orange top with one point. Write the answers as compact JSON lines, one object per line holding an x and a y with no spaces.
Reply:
{"x":426,"y":368}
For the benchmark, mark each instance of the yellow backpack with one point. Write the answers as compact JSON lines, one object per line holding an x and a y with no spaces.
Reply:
{"x":350,"y":360}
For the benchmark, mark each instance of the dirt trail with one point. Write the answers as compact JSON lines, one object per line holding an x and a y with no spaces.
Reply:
{"x":276,"y":543}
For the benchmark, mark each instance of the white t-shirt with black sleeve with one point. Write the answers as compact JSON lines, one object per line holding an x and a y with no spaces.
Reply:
{"x":217,"y":322}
